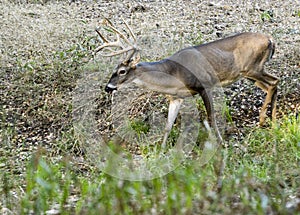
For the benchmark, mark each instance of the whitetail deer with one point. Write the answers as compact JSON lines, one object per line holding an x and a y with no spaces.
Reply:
{"x":196,"y":70}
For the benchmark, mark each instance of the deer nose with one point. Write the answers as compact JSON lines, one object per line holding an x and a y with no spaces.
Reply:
{"x":110,"y":88}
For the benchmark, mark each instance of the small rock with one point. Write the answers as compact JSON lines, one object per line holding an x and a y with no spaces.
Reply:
{"x":227,"y":7}
{"x":219,"y":34}
{"x":52,"y":212}
{"x":138,"y":8}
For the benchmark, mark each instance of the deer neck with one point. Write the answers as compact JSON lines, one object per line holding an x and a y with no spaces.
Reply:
{"x":161,"y":77}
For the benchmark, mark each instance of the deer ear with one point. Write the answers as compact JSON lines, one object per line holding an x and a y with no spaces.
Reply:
{"x":134,"y":61}
{"x":133,"y":66}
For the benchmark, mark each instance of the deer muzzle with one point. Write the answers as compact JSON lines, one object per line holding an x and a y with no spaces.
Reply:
{"x":110,"y":88}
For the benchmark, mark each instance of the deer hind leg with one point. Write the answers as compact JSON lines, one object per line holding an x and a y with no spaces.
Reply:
{"x":174,"y":107}
{"x":206,"y":96}
{"x":267,"y":83}
{"x":273,"y":104}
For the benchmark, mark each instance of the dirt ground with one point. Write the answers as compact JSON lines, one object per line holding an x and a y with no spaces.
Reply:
{"x":43,"y":51}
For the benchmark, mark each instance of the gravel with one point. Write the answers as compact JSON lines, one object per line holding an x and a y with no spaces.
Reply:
{"x":32,"y":33}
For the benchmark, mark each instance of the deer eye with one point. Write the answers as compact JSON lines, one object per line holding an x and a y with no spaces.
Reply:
{"x":122,"y":72}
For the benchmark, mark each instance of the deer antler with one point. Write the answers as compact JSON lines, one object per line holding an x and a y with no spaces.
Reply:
{"x":108,"y":44}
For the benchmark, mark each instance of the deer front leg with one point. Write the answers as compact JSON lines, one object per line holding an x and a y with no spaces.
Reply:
{"x":174,"y":107}
{"x":208,"y":102}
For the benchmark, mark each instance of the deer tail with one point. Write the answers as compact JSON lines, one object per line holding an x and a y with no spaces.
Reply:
{"x":271,"y":47}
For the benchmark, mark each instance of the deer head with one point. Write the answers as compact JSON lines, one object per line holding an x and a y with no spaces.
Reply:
{"x":113,"y":48}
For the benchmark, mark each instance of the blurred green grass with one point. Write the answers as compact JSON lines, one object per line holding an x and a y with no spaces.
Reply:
{"x":262,"y":179}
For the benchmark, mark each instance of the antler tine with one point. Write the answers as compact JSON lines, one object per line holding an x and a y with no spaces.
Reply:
{"x":130,"y":30}
{"x":109,"y":22}
{"x":117,"y":31}
{"x":101,"y":36}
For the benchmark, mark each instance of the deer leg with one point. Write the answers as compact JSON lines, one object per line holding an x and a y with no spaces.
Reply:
{"x":267,"y":83}
{"x":208,"y":103}
{"x":270,"y":99}
{"x":273,"y":105}
{"x":263,"y":111}
{"x":174,"y":107}
{"x":273,"y":96}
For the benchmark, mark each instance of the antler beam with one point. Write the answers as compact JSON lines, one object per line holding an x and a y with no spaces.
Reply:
{"x":108,"y":44}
